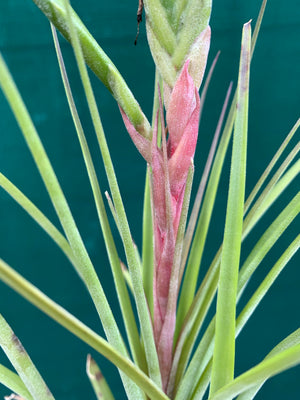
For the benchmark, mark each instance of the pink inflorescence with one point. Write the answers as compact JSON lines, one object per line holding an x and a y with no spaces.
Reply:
{"x":170,"y":164}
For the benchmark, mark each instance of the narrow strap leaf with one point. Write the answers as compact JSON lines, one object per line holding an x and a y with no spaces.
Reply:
{"x":191,"y":274}
{"x":224,"y":351}
{"x":288,"y":342}
{"x":98,"y":61}
{"x":72,"y":324}
{"x":39,"y":217}
{"x":148,"y":243}
{"x":273,"y":190}
{"x":13,"y":382}
{"x":206,"y":84}
{"x":84,"y":264}
{"x":209,"y":199}
{"x":267,"y":240}
{"x":123,"y":296}
{"x":263,"y":288}
{"x":131,"y":255}
{"x":147,"y":255}
{"x":204,"y":349}
{"x":100,"y":386}
{"x":271,"y":165}
{"x":19,"y":358}
{"x":266,"y":369}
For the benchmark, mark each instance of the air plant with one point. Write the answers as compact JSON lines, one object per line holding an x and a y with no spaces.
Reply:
{"x":163,"y":356}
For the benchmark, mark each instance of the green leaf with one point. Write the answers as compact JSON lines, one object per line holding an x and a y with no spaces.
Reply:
{"x":288,"y":342}
{"x":25,"y":368}
{"x":272,"y":191}
{"x":191,"y":275}
{"x":13,"y":382}
{"x":100,"y":386}
{"x":131,"y":254}
{"x":263,"y":288}
{"x":38,"y":216}
{"x":98,"y":61}
{"x":267,"y":240}
{"x":224,"y":351}
{"x":84,"y":265}
{"x":72,"y":324}
{"x":279,"y":362}
{"x":204,"y":350}
{"x":123,"y":296}
{"x":193,"y":266}
{"x":206,"y":292}
{"x":147,"y":256}
{"x":271,"y":165}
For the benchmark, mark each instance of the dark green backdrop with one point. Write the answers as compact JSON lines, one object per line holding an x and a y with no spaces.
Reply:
{"x":26,"y":43}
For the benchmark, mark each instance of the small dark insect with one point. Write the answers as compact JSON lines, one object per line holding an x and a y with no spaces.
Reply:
{"x":139,"y":18}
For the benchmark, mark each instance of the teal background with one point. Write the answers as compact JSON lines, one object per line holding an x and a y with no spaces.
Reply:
{"x":26,"y":43}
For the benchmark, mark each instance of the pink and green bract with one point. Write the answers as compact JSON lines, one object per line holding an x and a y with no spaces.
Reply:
{"x":169,"y":164}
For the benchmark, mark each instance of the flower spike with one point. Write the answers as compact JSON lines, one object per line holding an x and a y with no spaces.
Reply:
{"x":170,"y":165}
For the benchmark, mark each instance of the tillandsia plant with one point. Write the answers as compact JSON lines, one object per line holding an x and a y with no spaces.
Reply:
{"x":172,"y":348}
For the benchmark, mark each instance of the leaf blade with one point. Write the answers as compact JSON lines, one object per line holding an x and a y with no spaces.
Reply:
{"x":19,"y":358}
{"x":100,"y":386}
{"x":224,"y":351}
{"x":13,"y":382}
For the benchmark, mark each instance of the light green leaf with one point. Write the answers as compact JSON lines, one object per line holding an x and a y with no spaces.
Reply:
{"x":98,"y":61}
{"x":72,"y":324}
{"x":38,"y":216}
{"x":191,"y":275}
{"x":279,"y":362}
{"x":123,"y":296}
{"x":272,"y":191}
{"x":204,"y":350}
{"x":131,"y":254}
{"x":84,"y":265}
{"x":147,"y":255}
{"x":267,"y":240}
{"x":100,"y":386}
{"x":210,"y":195}
{"x":13,"y":382}
{"x":271,"y":165}
{"x":224,"y":350}
{"x":288,"y":342}
{"x":25,"y":368}
{"x":263,"y":288}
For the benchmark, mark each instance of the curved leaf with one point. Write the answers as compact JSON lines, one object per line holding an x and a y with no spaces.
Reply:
{"x":98,"y":61}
